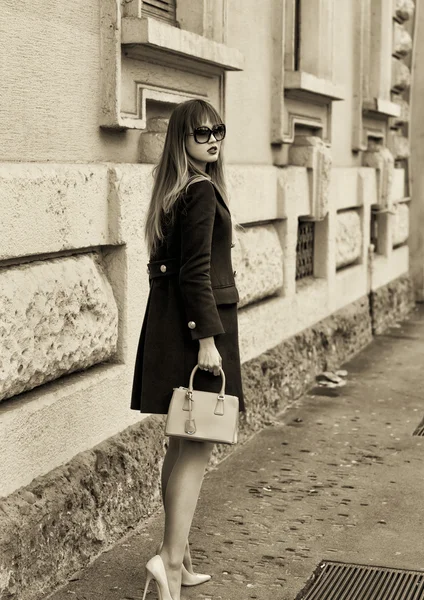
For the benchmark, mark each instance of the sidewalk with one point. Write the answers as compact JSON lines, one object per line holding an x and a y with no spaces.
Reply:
{"x":337,"y":477}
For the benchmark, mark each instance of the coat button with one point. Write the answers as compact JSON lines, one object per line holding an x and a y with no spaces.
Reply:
{"x":163,"y":268}
{"x":191,"y":324}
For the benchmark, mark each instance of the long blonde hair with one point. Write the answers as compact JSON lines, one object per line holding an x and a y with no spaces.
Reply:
{"x":176,"y":170}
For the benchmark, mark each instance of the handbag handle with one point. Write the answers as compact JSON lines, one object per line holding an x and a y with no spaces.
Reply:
{"x":190,"y":424}
{"x":221,"y":372}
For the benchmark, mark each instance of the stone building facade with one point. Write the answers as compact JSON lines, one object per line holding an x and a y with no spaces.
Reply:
{"x":316,"y":95}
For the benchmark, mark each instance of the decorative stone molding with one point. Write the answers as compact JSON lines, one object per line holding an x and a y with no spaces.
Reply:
{"x":154,"y":35}
{"x":348,"y":238}
{"x":311,"y":152}
{"x":258,"y":261}
{"x":380,"y":111}
{"x":398,"y":141}
{"x":145,"y":60}
{"x":58,"y":316}
{"x":402,"y":41}
{"x":404,"y":9}
{"x":303,"y":72}
{"x":302,"y":85}
{"x":381,"y":159}
{"x":401,"y":75}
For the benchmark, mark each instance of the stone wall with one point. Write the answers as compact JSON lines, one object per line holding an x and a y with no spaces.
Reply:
{"x":390,"y":303}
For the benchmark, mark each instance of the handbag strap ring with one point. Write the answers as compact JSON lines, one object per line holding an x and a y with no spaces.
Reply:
{"x":221,"y":372}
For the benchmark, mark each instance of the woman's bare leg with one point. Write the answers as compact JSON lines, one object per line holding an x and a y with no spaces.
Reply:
{"x":171,"y":456}
{"x":182,"y":492}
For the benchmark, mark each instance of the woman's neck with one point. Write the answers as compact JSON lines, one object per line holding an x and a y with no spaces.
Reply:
{"x":200,"y":165}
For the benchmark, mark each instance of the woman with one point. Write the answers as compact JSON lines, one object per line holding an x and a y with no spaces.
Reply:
{"x":191,"y":316}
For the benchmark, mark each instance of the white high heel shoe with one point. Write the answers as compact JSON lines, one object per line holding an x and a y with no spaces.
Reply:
{"x":156,"y":570}
{"x":189,"y":579}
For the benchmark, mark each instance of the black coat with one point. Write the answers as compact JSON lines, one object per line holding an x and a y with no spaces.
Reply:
{"x":192,"y":295}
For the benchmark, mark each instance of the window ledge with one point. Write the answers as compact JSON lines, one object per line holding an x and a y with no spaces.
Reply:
{"x":382,"y":107}
{"x":302,"y":83}
{"x":161,"y":36}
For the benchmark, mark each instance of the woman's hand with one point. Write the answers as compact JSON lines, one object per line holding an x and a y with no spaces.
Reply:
{"x":209,"y":358}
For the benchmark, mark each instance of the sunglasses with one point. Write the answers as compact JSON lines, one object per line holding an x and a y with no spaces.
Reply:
{"x":202,"y":135}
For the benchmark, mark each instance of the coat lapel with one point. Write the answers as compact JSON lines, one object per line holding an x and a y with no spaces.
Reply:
{"x":220,"y":198}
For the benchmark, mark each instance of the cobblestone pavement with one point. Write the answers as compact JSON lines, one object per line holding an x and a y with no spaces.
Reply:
{"x":339,"y":477}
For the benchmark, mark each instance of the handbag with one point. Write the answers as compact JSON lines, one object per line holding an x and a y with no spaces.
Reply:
{"x":204,"y":416}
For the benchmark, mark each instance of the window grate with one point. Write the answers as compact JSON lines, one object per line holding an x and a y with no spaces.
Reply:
{"x":349,"y":581}
{"x":161,"y":9}
{"x":305,"y":249}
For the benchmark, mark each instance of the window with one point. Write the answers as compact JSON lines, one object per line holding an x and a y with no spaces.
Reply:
{"x":160,"y":9}
{"x":296,"y":43}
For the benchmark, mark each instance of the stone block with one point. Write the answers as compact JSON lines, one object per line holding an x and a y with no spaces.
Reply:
{"x":150,"y":146}
{"x":57,"y":316}
{"x":252,"y":190}
{"x":348,"y":238}
{"x":381,"y":159}
{"x":152,"y":141}
{"x":402,"y":41}
{"x":398,"y":186}
{"x":400,"y":224}
{"x":401,"y":75}
{"x":48,"y":208}
{"x":258,"y":262}
{"x":404,"y":9}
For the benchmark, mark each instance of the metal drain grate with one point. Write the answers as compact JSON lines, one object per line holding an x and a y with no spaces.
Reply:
{"x":420,"y":429}
{"x":341,"y":581}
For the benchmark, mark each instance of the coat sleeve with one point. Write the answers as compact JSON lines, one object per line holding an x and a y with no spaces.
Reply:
{"x":197,"y":218}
